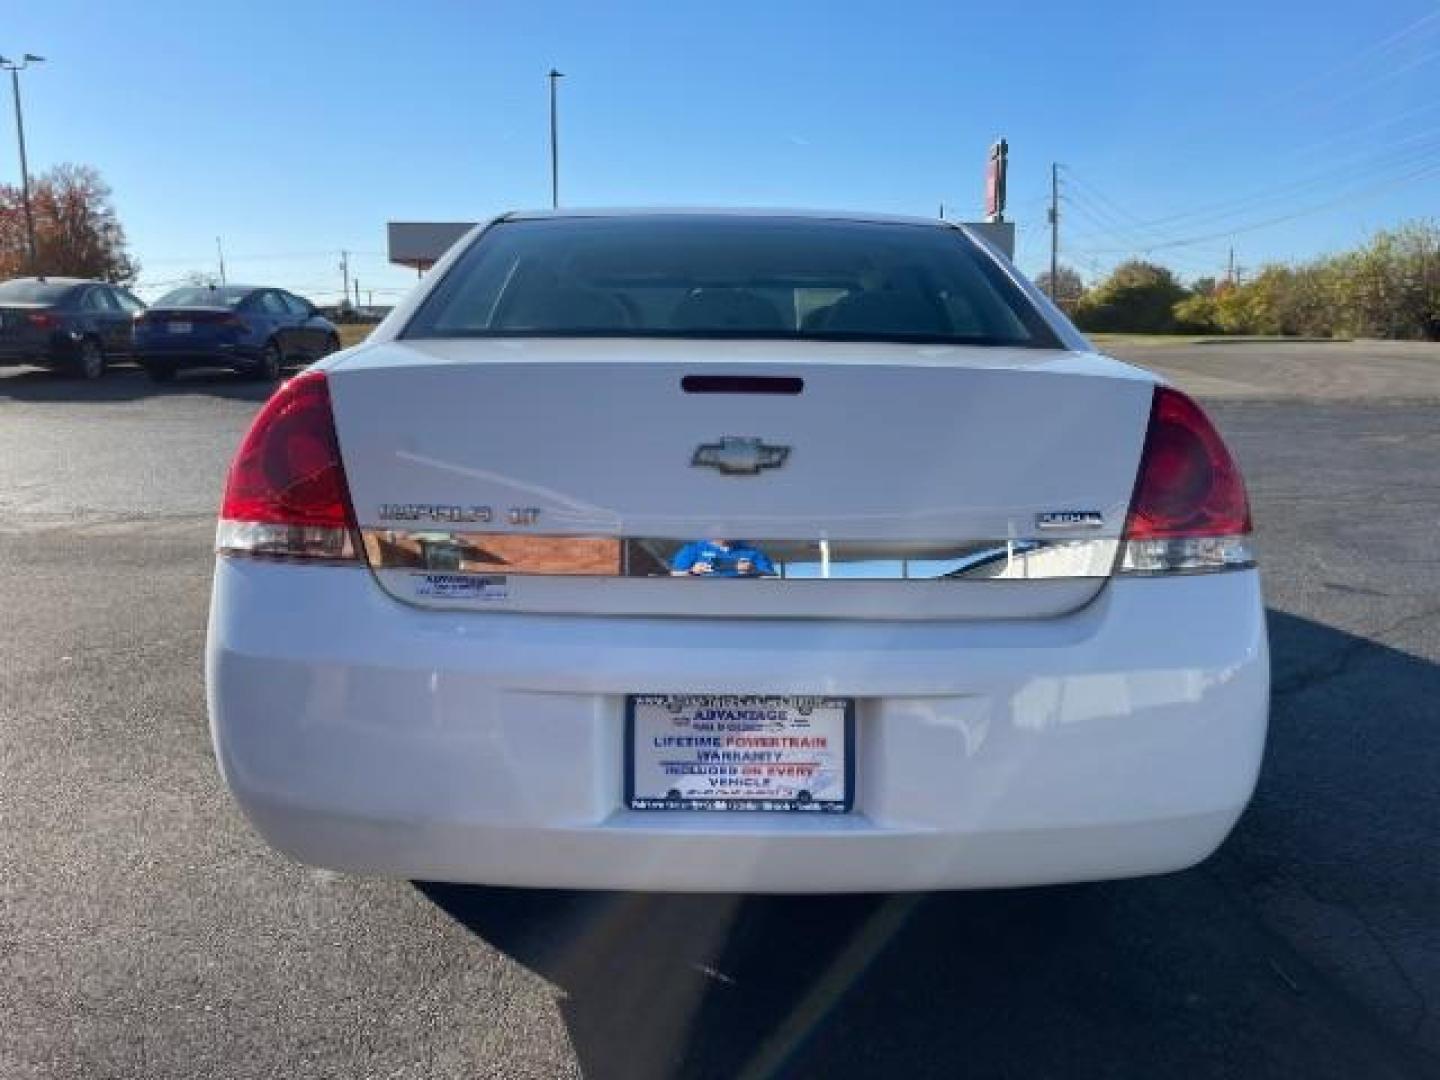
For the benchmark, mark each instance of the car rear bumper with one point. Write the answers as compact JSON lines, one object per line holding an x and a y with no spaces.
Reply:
{"x":190,"y":355}
{"x":50,"y":351}
{"x":366,"y":735}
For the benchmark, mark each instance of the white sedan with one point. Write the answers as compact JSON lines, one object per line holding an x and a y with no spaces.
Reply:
{"x":774,"y":552}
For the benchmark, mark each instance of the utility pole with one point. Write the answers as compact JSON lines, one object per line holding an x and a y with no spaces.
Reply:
{"x":220,"y":251}
{"x":15,"y":67}
{"x":357,"y":292}
{"x":345,"y":275}
{"x":1054,"y":230}
{"x":554,"y":77}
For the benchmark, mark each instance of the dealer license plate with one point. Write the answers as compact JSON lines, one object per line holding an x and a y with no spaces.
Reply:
{"x":179,"y":327}
{"x":725,"y":752}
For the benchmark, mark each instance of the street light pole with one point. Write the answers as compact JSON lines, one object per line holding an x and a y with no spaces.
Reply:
{"x":15,"y":68}
{"x":554,"y":77}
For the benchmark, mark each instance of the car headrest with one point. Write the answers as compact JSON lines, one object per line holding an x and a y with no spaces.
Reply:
{"x":886,"y":313}
{"x":726,"y":309}
{"x":564,"y":308}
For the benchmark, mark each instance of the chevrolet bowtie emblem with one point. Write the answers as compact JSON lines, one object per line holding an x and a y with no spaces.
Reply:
{"x":737,"y":456}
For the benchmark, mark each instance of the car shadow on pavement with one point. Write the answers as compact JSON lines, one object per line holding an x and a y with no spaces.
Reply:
{"x":1210,"y":972}
{"x":127,"y":384}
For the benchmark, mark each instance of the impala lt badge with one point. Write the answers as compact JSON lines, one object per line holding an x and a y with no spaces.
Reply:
{"x":737,"y":456}
{"x":1070,"y":519}
{"x":436,"y":512}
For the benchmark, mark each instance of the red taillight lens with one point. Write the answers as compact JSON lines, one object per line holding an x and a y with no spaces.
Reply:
{"x":1189,"y":511}
{"x":286,"y":493}
{"x":42,"y":320}
{"x":1188,"y":484}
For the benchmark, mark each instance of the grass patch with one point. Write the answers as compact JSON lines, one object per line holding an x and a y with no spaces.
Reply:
{"x":1148,"y":339}
{"x":1205,"y":339}
{"x":354,"y":333}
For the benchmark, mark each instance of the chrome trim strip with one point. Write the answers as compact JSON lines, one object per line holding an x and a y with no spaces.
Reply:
{"x":592,"y":556}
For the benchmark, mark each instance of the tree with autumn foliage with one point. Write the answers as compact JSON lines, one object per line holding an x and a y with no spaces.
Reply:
{"x":77,"y":232}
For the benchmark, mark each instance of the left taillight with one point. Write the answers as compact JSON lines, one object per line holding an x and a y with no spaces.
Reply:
{"x":42,"y":320}
{"x":286,"y":495}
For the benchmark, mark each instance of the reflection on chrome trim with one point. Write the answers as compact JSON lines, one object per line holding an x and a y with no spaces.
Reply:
{"x":787,"y":559}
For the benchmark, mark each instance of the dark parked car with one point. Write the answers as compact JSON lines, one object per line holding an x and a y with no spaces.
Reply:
{"x":70,"y":324}
{"x":251,"y":329}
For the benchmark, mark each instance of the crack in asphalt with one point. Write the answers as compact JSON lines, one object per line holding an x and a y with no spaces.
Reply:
{"x":1339,"y":661}
{"x":91,"y":521}
{"x":1233,"y":874}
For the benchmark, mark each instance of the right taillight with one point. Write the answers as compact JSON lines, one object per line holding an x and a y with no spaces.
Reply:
{"x":1189,"y":512}
{"x":286,"y":495}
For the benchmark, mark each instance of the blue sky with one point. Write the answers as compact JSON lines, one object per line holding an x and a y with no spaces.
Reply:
{"x":296,"y":130}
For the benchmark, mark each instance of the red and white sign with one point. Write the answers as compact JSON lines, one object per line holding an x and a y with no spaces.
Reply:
{"x":722,"y":752}
{"x":995,"y":170}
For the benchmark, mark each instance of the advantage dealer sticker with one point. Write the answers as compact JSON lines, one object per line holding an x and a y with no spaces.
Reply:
{"x":439,"y":586}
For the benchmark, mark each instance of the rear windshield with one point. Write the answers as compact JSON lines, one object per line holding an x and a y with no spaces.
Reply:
{"x":673,"y":276}
{"x":203,"y":296}
{"x":32,"y":292}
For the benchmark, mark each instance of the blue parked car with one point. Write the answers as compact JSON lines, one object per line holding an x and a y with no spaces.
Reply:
{"x":251,"y":329}
{"x":67,"y":324}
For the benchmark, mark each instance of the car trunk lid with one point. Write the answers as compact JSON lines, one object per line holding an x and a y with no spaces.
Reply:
{"x":26,"y":324}
{"x":884,"y":481}
{"x":188,"y":323}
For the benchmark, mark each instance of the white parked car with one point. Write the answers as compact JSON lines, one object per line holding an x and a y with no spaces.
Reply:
{"x":735,"y":551}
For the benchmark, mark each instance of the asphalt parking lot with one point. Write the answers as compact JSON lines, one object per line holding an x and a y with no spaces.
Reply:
{"x":146,"y":932}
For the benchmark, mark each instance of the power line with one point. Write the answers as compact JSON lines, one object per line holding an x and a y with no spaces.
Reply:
{"x":268,"y":256}
{"x":1111,"y":226}
{"x":1191,"y":263}
{"x":1366,"y":56}
{"x":1389,"y":75}
{"x":1432,"y":169}
{"x":1396,"y":157}
{"x":1369,"y":127}
{"x":1393,"y":162}
{"x":1110,"y":223}
{"x":1086,"y":193}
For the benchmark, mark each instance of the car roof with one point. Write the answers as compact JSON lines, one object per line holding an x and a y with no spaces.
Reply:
{"x":760,"y":213}
{"x":227,"y":288}
{"x":64,"y":281}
